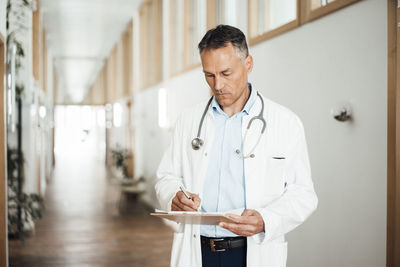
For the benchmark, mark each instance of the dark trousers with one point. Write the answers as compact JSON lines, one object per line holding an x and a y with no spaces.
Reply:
{"x":235,"y":257}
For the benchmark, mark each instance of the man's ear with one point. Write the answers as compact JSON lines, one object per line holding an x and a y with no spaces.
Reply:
{"x":249,"y":63}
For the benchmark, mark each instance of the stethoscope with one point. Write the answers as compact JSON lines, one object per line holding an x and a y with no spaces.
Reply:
{"x":198,"y":142}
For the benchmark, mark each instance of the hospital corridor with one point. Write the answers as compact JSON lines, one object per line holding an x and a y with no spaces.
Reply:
{"x":199,"y":133}
{"x":84,"y":225}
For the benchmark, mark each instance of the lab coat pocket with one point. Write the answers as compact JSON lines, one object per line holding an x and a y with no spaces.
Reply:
{"x":275,"y":180}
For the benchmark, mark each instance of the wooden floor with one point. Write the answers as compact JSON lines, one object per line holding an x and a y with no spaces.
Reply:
{"x":83,"y":226}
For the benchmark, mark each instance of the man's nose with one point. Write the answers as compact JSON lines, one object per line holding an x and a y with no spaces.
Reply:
{"x":219,"y":84}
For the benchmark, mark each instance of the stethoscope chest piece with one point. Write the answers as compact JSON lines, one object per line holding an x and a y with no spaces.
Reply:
{"x":197,"y":143}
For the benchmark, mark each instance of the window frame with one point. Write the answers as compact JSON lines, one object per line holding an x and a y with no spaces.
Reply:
{"x":304,"y":15}
{"x":307,"y":14}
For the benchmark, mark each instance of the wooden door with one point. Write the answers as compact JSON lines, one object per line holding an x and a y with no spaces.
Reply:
{"x":393,"y":141}
{"x":3,"y":179}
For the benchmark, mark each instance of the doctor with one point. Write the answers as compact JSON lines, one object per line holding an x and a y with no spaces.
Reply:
{"x":241,"y":154}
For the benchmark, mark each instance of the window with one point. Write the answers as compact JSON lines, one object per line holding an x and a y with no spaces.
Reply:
{"x":177,"y":28}
{"x":150,"y":46}
{"x":314,"y":9}
{"x":319,"y":3}
{"x":268,"y":18}
{"x":127,"y":58}
{"x":187,"y":25}
{"x":194,"y":30}
{"x":221,"y":12}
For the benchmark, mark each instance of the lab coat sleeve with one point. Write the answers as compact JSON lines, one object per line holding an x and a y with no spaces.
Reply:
{"x":169,"y":173}
{"x":298,"y":200}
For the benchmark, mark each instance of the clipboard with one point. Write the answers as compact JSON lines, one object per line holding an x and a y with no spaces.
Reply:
{"x":191,"y":217}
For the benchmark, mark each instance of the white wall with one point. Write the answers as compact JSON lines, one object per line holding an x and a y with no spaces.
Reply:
{"x":340,"y":57}
{"x":50,"y":113}
{"x":3,"y":10}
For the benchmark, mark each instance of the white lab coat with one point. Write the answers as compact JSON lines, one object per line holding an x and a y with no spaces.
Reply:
{"x":280,"y":189}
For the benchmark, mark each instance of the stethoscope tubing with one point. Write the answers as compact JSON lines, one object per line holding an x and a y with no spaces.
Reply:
{"x":197,"y":142}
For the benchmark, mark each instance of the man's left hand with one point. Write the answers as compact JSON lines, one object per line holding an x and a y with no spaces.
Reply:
{"x":248,"y":224}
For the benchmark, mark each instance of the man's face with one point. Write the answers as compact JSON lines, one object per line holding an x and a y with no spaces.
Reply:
{"x":226,"y":73}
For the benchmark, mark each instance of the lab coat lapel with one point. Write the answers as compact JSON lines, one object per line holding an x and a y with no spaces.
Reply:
{"x":199,"y":176}
{"x":201,"y":171}
{"x":251,"y":164}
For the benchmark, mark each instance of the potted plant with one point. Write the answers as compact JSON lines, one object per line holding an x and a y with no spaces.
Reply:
{"x":23,"y":208}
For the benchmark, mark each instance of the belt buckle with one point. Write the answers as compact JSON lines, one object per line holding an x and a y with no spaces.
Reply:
{"x":212,"y":245}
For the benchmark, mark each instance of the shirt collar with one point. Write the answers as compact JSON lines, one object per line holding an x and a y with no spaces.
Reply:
{"x":252,"y":98}
{"x":249,"y":104}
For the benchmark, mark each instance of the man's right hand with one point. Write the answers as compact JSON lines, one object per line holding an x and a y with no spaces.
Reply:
{"x":182,"y":203}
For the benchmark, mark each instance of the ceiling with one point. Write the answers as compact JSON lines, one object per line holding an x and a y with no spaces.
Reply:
{"x":80,"y":35}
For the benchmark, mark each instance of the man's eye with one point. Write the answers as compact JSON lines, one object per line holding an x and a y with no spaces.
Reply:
{"x":226,"y":74}
{"x":209,"y":75}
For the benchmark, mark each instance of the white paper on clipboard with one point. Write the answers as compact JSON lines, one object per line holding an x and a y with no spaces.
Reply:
{"x":192,"y":217}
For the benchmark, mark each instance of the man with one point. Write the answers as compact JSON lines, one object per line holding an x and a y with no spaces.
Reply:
{"x":249,"y":158}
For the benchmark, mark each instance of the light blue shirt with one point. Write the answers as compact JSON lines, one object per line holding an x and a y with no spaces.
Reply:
{"x":224,"y":185}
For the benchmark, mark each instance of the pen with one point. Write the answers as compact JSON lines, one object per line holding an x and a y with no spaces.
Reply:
{"x":186,"y":194}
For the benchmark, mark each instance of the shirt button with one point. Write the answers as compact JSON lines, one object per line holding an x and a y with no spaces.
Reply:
{"x":205,"y":154}
{"x":194,"y":236}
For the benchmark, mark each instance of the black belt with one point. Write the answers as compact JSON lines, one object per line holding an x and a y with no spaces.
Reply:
{"x":223,"y":244}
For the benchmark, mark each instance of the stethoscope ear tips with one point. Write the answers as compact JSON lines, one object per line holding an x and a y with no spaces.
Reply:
{"x":197,"y":143}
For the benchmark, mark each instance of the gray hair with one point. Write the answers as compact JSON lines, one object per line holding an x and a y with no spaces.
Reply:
{"x":221,"y":36}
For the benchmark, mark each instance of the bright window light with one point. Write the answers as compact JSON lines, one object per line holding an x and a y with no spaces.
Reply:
{"x":117,"y":115}
{"x":86,"y":119}
{"x":9,"y":77}
{"x":42,"y":112}
{"x":109,"y":116}
{"x":101,"y":117}
{"x":162,"y":108}
{"x":9,"y":99}
{"x":33,"y":111}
